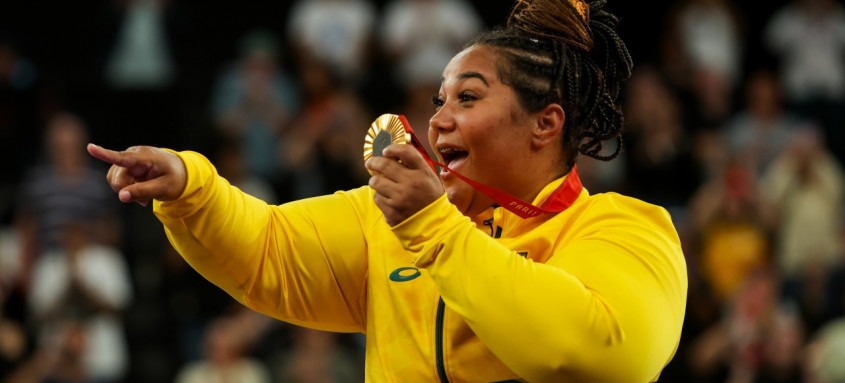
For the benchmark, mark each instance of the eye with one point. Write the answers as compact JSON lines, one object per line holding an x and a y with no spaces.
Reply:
{"x":467,"y":97}
{"x":437,"y":101}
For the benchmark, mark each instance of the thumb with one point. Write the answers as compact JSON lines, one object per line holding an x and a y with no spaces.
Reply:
{"x":143,"y":192}
{"x":407,"y":154}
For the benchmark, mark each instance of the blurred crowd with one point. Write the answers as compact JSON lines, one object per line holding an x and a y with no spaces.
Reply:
{"x":735,"y":122}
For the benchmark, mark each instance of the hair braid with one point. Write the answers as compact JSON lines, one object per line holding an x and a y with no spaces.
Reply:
{"x":557,"y":53}
{"x":553,"y":54}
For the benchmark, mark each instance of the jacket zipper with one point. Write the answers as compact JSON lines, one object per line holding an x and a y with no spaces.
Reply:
{"x":495,"y":232}
{"x":438,"y":338}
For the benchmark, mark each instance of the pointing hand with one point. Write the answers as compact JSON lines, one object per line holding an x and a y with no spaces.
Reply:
{"x":142,"y":173}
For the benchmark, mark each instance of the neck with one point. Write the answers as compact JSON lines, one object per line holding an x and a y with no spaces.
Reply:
{"x":537,"y":186}
{"x":529,"y":183}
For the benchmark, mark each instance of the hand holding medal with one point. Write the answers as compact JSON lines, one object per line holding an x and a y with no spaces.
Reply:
{"x":402,"y":175}
{"x":391,"y":129}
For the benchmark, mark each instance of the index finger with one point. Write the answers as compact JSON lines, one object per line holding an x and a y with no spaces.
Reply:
{"x":110,"y":156}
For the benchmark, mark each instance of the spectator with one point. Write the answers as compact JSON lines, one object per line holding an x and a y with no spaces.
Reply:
{"x":322,"y":147}
{"x":318,"y":357}
{"x":711,"y":35}
{"x":659,"y":166}
{"x":190,"y":304}
{"x":422,"y":35}
{"x":15,"y":341}
{"x":825,"y":354}
{"x":734,"y":238}
{"x":805,"y":185}
{"x":84,"y":287}
{"x":337,"y":32}
{"x":783,"y":348}
{"x":732,"y":350}
{"x":64,"y":186}
{"x":252,"y":103}
{"x":808,"y":38}
{"x":10,"y":274}
{"x":226,"y":358}
{"x":230,"y":161}
{"x":761,"y":131}
{"x":13,"y":347}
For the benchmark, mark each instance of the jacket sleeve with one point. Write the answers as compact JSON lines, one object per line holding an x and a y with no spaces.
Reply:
{"x":293,"y":262}
{"x":606,"y":308}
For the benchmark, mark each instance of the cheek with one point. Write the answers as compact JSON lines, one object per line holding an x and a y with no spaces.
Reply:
{"x":432,"y":136}
{"x":499,"y":139}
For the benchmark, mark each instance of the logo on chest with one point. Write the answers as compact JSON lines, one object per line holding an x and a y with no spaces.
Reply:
{"x":405,"y":274}
{"x":408,"y":273}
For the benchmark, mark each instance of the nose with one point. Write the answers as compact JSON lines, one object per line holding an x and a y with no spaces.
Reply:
{"x":441,"y":121}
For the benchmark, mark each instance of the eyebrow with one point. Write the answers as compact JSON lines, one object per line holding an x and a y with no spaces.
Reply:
{"x":466,"y":75}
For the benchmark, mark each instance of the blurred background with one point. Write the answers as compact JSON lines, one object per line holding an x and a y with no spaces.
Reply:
{"x":735,"y":122}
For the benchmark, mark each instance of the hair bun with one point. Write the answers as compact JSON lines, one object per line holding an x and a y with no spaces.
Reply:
{"x":565,"y":21}
{"x":582,"y":8}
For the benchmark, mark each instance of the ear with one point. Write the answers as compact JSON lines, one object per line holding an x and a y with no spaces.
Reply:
{"x":549,"y":127}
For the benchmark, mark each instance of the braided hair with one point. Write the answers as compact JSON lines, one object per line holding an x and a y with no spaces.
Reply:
{"x":566,"y":52}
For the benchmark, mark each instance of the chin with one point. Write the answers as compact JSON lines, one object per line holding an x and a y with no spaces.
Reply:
{"x":469,"y":202}
{"x":458,"y":198}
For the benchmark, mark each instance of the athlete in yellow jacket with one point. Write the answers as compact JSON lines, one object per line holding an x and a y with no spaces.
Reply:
{"x":448,"y":283}
{"x":595,"y":293}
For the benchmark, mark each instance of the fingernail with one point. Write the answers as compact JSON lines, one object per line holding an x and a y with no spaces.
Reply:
{"x":143,"y":203}
{"x":125,"y":196}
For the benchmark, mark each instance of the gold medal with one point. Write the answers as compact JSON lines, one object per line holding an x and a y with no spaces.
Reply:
{"x":385,"y":130}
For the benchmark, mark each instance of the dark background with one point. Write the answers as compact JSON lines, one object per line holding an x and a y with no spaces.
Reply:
{"x":68,"y":41}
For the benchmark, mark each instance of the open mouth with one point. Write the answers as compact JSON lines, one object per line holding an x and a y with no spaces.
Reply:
{"x":452,"y":156}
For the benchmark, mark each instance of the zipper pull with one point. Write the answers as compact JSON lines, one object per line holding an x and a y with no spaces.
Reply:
{"x":489,"y":222}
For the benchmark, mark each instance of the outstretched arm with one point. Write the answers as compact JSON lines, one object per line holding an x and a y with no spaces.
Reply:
{"x":302,"y":262}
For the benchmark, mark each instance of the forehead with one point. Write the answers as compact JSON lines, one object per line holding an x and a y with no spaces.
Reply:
{"x":478,"y":59}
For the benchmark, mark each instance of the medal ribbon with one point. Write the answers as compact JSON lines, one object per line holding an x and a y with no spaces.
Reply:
{"x":561,"y":198}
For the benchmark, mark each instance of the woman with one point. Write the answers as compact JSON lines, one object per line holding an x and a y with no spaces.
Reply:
{"x":447,"y":285}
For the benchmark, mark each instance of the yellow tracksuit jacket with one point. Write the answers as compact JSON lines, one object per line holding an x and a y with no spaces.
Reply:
{"x":595,"y":293}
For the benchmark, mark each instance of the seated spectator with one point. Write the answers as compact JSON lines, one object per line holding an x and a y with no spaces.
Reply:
{"x":322,"y":147}
{"x":762,"y":129}
{"x":825,"y":354}
{"x":64,"y":186}
{"x":734,"y":238}
{"x":253,"y":101}
{"x":84,"y":287}
{"x":338,"y":33}
{"x":805,"y":185}
{"x":226,"y":358}
{"x":407,"y":37}
{"x":317,"y":356}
